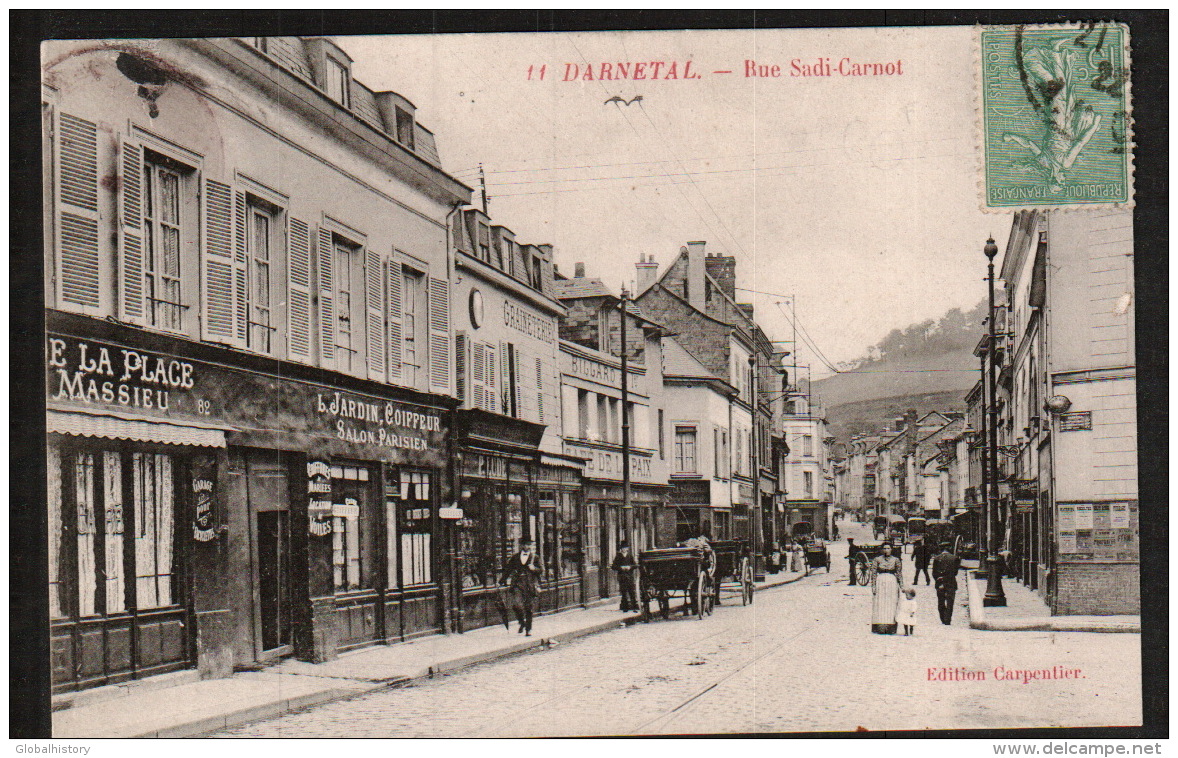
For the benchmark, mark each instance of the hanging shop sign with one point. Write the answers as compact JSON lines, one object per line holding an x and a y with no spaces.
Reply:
{"x":93,"y":375}
{"x":204,"y":527}
{"x":319,"y":508}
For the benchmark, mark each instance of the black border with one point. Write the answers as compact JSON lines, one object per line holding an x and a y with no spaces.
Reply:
{"x":29,"y":703}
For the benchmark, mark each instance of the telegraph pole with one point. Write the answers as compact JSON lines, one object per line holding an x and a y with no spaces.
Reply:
{"x":627,"y":510}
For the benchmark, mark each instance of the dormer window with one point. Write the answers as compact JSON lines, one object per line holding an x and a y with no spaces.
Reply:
{"x":337,"y":84}
{"x":405,"y":128}
{"x":484,"y":243}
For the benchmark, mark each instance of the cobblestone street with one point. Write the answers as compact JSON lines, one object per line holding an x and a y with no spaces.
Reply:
{"x":801,"y":658}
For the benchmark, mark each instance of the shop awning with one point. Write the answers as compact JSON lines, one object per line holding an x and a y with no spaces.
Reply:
{"x":120,"y":428}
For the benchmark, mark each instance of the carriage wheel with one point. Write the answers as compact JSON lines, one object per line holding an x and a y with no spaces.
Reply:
{"x":700,"y":594}
{"x":957,"y":545}
{"x":746,"y":582}
{"x":862,"y":571}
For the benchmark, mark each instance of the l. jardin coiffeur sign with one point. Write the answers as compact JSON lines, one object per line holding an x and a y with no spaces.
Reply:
{"x":91,"y":374}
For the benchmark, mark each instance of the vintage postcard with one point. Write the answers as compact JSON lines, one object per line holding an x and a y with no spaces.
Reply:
{"x":592,"y":383}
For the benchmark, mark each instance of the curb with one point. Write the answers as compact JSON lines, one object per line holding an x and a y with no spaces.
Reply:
{"x":203,"y":726}
{"x":977,"y":619}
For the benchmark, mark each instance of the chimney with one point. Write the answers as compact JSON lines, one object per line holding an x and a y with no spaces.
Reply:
{"x":578,"y":270}
{"x":693,"y":285}
{"x":722,"y":269}
{"x":648,"y":272}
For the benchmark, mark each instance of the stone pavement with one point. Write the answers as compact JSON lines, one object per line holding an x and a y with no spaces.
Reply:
{"x":1025,"y":611}
{"x":801,"y":658}
{"x":191,"y":708}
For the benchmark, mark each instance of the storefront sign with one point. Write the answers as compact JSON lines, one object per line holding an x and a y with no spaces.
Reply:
{"x":594,"y":371}
{"x":269,"y":410}
{"x":1024,"y":505}
{"x":542,"y":328}
{"x":204,"y":528}
{"x":319,"y":498}
{"x":607,"y":464}
{"x":1075,"y":422}
{"x":450,"y":513}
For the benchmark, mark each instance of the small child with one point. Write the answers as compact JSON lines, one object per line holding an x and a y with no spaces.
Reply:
{"x":906,"y":613}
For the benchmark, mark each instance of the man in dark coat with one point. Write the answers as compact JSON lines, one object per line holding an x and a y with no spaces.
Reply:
{"x":945,"y":568}
{"x":522,"y":575}
{"x":851,"y":560}
{"x":624,"y":564}
{"x":920,"y":558}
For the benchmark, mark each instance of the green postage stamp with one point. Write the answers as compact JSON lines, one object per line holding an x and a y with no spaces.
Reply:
{"x":1055,"y":116}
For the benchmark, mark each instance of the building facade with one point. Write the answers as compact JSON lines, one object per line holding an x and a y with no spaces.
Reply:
{"x":249,"y":358}
{"x":1068,"y":412}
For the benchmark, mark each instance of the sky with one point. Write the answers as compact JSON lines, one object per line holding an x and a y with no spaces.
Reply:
{"x":856,"y":195}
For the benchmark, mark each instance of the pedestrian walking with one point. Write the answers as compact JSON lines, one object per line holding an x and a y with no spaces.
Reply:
{"x":625,"y":565}
{"x":886,"y":575}
{"x":851,"y":560}
{"x":945,"y":568}
{"x":906,"y":615}
{"x":920,"y":558}
{"x":522,"y":576}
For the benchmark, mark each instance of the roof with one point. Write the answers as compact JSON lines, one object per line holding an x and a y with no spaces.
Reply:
{"x":570,"y":289}
{"x":679,"y":362}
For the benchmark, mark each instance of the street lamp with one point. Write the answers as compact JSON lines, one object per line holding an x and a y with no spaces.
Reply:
{"x":994,"y":593}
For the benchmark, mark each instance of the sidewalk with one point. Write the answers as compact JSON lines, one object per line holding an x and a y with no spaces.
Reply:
{"x":1026,"y":612}
{"x":192,"y":707}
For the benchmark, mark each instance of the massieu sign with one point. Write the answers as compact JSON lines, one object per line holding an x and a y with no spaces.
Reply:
{"x":257,"y":408}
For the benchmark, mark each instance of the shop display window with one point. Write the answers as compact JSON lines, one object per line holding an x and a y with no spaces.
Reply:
{"x":353,"y":530}
{"x":416,"y":528}
{"x":569,"y":530}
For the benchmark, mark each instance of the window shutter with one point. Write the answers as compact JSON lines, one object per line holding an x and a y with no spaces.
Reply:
{"x":298,"y":308}
{"x":132,"y":304}
{"x":478,"y":375}
{"x":325,"y":260}
{"x":374,"y":309}
{"x":491,"y":388}
{"x":461,"y":366}
{"x":241,"y":295}
{"x":539,"y":390}
{"x":77,"y":208}
{"x":217,"y":270}
{"x":439,"y":335}
{"x":394,"y":312}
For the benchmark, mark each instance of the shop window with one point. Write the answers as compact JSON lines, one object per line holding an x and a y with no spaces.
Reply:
{"x":473,"y":532}
{"x":416,"y":529}
{"x":352,"y":529}
{"x":685,"y":444}
{"x":154,"y":502}
{"x":569,"y":530}
{"x":169,"y":217}
{"x":592,"y":535}
{"x":544,"y":532}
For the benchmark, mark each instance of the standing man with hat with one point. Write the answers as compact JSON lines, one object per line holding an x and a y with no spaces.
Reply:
{"x":945,"y":568}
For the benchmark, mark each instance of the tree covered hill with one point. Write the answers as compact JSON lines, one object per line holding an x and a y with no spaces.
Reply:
{"x":926,"y":366}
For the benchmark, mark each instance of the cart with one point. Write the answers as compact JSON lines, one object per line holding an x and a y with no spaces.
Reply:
{"x":938,"y":532}
{"x":733,"y":568}
{"x":965,"y":538}
{"x":817,"y":556}
{"x":864,"y":555}
{"x":896,"y":528}
{"x":879,"y":527}
{"x":673,"y":571}
{"x":915,"y":529}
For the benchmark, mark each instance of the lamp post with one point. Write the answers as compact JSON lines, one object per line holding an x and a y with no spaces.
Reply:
{"x":627,"y":505}
{"x":994,"y":594}
{"x":756,"y":543}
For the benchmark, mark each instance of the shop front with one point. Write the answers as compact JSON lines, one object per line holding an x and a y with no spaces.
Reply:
{"x":510,"y":492}
{"x":219,"y":516}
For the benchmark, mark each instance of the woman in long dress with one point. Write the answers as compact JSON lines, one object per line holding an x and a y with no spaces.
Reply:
{"x":886,"y":578}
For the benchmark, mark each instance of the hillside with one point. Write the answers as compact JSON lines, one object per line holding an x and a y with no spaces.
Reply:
{"x":927,"y":366}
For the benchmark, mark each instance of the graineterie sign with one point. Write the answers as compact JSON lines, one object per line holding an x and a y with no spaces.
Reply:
{"x":258,"y":409}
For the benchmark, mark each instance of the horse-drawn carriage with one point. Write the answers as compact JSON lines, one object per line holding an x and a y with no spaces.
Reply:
{"x":864,"y":555}
{"x":676,"y":571}
{"x":733,"y":568}
{"x":965,"y":534}
{"x":879,"y":527}
{"x":897,"y":529}
{"x":817,"y":556}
